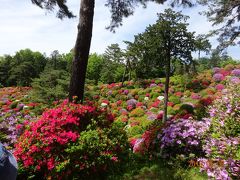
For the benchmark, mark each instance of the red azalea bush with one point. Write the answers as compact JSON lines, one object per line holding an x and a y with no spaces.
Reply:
{"x":197,"y":84}
{"x":70,"y":141}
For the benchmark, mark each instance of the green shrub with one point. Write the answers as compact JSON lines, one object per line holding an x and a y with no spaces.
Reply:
{"x":134,"y":131}
{"x":175,"y":99}
{"x":50,"y":86}
{"x":13,"y":104}
{"x":141,"y":98}
{"x":141,"y":92}
{"x":187,"y":93}
{"x":3,"y":136}
{"x":170,"y":111}
{"x":187,"y":107}
{"x":154,"y":95}
{"x":138,"y":112}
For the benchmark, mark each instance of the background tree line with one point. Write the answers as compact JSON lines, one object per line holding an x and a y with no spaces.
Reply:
{"x":142,"y":59}
{"x":114,"y":65}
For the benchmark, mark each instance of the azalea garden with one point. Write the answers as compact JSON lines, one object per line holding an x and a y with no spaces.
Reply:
{"x":157,"y":109}
{"x":118,"y":133}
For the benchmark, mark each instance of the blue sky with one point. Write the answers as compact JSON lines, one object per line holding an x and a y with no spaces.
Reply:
{"x":23,"y":25}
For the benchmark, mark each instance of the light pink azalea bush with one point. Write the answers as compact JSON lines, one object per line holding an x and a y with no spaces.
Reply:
{"x":223,"y":142}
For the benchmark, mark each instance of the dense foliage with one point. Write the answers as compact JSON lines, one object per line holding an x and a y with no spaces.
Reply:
{"x":50,"y":86}
{"x":21,"y":68}
{"x":83,"y":141}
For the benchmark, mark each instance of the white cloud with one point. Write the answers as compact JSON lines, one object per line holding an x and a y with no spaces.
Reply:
{"x":24,"y":25}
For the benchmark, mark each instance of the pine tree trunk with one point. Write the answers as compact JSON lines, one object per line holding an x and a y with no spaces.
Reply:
{"x":168,"y":66}
{"x":124,"y":74}
{"x":130,"y":70}
{"x":194,"y":67}
{"x":81,"y":50}
{"x":181,"y":69}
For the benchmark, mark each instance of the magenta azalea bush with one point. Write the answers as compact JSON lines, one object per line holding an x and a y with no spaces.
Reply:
{"x":70,"y":141}
{"x":219,"y":87}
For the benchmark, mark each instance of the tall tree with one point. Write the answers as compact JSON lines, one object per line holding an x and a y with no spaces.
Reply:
{"x":95,"y":65}
{"x":202,"y":44}
{"x":169,"y":41}
{"x":54,"y":57}
{"x":177,"y":43}
{"x":147,"y":61}
{"x":113,"y":65}
{"x":114,"y":53}
{"x":119,"y":9}
{"x":81,"y":50}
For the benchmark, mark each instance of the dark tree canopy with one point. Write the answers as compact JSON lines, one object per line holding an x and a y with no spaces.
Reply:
{"x":118,"y":8}
{"x":21,"y":68}
{"x":226,"y":14}
{"x":122,"y":8}
{"x":49,"y":5}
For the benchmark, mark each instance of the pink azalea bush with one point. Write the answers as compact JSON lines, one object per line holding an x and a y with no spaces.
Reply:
{"x":235,"y":80}
{"x":218,"y":77}
{"x":219,"y":87}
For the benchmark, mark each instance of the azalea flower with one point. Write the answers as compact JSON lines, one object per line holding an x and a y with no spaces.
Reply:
{"x":146,"y":98}
{"x":104,"y":104}
{"x":160,"y":98}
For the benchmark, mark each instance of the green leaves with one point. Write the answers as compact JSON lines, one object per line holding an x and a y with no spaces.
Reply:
{"x":225,"y":15}
{"x":95,"y":65}
{"x":21,"y":68}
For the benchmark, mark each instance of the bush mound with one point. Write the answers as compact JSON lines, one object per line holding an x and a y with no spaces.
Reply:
{"x":183,"y":137}
{"x":71,"y":141}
